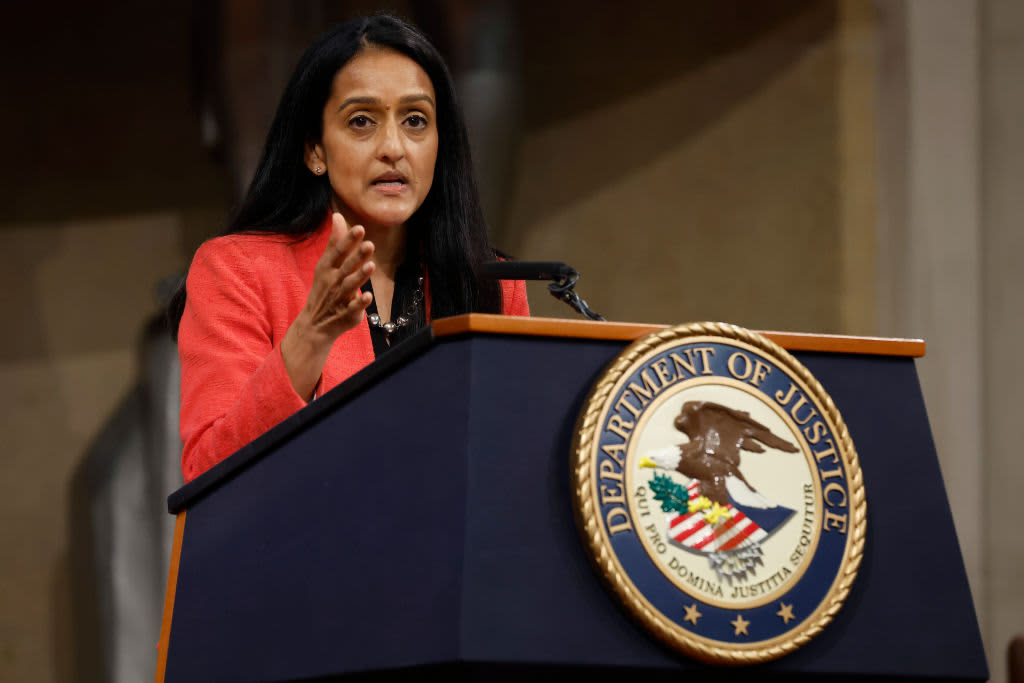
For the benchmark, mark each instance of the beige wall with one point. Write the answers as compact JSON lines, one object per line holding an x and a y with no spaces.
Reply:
{"x":103,"y":183}
{"x":699,"y":181}
{"x":80,"y":291}
{"x":930,"y":238}
{"x":1002,"y":282}
{"x":952,"y":162}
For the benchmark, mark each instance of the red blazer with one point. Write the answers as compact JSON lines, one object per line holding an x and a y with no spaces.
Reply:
{"x":244,"y":291}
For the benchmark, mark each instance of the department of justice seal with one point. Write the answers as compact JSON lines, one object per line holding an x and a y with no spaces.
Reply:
{"x":719,"y":493}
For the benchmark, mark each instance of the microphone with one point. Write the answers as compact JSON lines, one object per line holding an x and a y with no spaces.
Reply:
{"x":564,"y":279}
{"x":527,"y":270}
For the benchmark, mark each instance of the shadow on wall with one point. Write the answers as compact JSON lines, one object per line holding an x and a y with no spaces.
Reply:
{"x":686,"y":159}
{"x":63,"y":636}
{"x":577,"y":60}
{"x":120,"y":532}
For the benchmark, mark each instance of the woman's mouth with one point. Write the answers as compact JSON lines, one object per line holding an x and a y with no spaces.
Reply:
{"x":390,"y":183}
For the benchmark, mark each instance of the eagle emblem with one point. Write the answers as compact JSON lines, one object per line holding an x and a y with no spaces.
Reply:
{"x":718,"y":492}
{"x":718,"y":512}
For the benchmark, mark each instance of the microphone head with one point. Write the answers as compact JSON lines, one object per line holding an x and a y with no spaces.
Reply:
{"x":527,"y":270}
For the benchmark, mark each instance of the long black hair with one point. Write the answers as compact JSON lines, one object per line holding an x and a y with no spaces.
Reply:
{"x":285,"y":199}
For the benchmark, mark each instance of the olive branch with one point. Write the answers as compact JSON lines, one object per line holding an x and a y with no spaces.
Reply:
{"x":672,"y":496}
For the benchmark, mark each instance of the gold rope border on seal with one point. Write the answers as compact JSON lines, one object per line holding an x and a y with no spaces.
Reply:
{"x":608,"y":567}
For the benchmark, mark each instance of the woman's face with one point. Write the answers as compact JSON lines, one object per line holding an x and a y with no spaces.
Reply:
{"x":379,"y":141}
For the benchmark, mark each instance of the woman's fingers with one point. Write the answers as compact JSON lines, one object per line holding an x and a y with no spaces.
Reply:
{"x":346,"y":249}
{"x":341,"y":242}
{"x":344,"y":281}
{"x":359,"y":303}
{"x":349,"y":284}
{"x":349,"y":313}
{"x":358,"y":261}
{"x":335,"y":302}
{"x":337,"y":242}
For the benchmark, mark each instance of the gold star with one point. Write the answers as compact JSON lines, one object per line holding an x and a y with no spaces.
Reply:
{"x":786,"y":612}
{"x":692,"y":615}
{"x":741,"y":625}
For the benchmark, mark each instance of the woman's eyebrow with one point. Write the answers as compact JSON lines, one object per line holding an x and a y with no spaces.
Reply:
{"x":420,"y":97}
{"x":359,"y":100}
{"x":407,"y":99}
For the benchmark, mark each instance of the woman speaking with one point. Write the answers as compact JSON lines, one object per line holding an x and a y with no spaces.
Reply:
{"x":361,"y":224}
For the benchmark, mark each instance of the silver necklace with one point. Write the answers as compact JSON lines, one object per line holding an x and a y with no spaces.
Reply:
{"x":403,"y":320}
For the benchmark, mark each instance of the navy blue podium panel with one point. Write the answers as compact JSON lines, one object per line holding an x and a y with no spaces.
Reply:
{"x":420,"y":516}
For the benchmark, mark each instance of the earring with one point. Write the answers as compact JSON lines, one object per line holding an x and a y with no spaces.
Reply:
{"x":318,"y":170}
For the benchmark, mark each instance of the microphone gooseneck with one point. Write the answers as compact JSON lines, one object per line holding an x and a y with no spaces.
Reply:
{"x":563,"y":280}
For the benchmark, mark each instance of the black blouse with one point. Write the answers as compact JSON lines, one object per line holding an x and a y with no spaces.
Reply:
{"x":406,"y":278}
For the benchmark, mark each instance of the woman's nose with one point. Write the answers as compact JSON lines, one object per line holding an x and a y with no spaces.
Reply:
{"x":392,"y":146}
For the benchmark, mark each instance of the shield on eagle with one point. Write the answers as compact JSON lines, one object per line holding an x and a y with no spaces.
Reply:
{"x":717,"y":512}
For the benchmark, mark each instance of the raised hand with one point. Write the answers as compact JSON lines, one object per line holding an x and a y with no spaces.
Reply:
{"x":335,"y":304}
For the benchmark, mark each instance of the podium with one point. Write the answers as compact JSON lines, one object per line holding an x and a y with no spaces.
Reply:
{"x":416,"y":522}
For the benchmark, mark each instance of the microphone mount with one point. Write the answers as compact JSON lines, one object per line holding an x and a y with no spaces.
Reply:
{"x":563,"y":279}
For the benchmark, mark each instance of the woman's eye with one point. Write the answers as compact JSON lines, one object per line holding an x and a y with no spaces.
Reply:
{"x":360,"y":122}
{"x":416,"y":121}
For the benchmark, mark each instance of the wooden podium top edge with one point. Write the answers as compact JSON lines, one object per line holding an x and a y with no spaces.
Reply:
{"x":586,"y":329}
